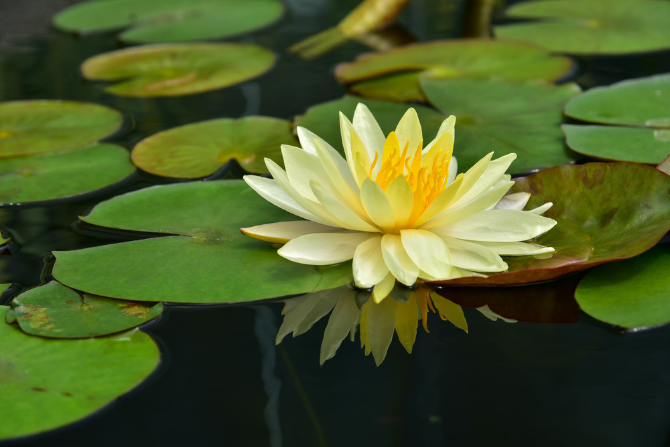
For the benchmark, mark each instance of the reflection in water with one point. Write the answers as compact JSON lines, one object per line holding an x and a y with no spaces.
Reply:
{"x":354,"y":311}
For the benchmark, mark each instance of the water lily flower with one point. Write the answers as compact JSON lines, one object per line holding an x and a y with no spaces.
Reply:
{"x":395,"y":207}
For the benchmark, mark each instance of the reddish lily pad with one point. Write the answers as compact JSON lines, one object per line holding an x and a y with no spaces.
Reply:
{"x":177,"y":69}
{"x":55,"y":311}
{"x":623,"y":208}
{"x":200,"y":149}
{"x":169,"y":20}
{"x":34,"y":127}
{"x":394,"y":75}
{"x":592,"y":27}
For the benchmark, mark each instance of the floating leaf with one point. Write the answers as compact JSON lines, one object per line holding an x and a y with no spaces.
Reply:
{"x":55,"y":311}
{"x":200,"y":149}
{"x":631,"y":293}
{"x":4,"y":287}
{"x":49,"y":383}
{"x":547,"y":302}
{"x":177,"y":69}
{"x":593,"y":27}
{"x":623,"y":208}
{"x":33,"y":127}
{"x":211,"y":262}
{"x":153,"y":21}
{"x":394,"y":75}
{"x":324,"y":121}
{"x":644,"y":103}
{"x":65,"y":174}
{"x":504,"y":117}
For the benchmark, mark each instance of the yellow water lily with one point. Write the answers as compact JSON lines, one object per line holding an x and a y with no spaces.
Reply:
{"x":396,"y":208}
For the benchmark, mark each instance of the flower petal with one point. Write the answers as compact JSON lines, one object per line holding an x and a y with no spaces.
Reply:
{"x":323,"y":305}
{"x":476,"y":206}
{"x":302,"y":310}
{"x":488,"y":313}
{"x":516,"y":248}
{"x":428,"y":252}
{"x":377,"y":205}
{"x":344,"y":214}
{"x":401,"y":197}
{"x":346,"y":128}
{"x":451,"y":311}
{"x":368,"y":129}
{"x":541,"y":209}
{"x":383,"y":288}
{"x":369,"y":267}
{"x":398,"y":261}
{"x":409,"y":129}
{"x":303,"y":168}
{"x":494,"y":170}
{"x":453,"y":170}
{"x":309,"y":140}
{"x":271,"y":191}
{"x":447,"y":126}
{"x":380,"y":327}
{"x":323,"y":248}
{"x":282,"y":232}
{"x":516,"y":201}
{"x":441,"y":202}
{"x":471,"y":256}
{"x":407,"y":322}
{"x":498,"y":226}
{"x":348,"y":193}
{"x":343,"y":318}
{"x":473,"y":174}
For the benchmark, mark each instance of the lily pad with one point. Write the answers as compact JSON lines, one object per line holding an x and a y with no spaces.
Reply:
{"x":64,"y":174}
{"x":56,"y":311}
{"x":210,"y":262}
{"x":153,"y":21}
{"x":177,"y":69}
{"x":643,"y":105}
{"x":394,"y":75}
{"x":504,"y":117}
{"x":200,"y":149}
{"x":622,"y":208}
{"x":631,"y":293}
{"x":33,"y":127}
{"x":323,"y":119}
{"x":49,"y":383}
{"x":593,"y":27}
{"x":4,"y":287}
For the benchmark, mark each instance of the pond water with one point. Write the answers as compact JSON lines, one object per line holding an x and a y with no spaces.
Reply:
{"x":222,"y":380}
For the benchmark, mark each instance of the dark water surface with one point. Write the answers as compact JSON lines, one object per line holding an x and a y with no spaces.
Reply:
{"x":223,"y":382}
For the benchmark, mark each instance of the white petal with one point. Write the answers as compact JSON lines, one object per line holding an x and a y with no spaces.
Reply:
{"x":303,"y":168}
{"x":401,"y":197}
{"x":344,"y":317}
{"x":472,"y":256}
{"x":516,"y":248}
{"x":369,"y":267}
{"x":302,"y":310}
{"x":516,"y":201}
{"x":383,"y":288}
{"x":380,"y":327}
{"x":347,"y":189}
{"x":398,"y":261}
{"x":541,"y":209}
{"x":323,"y":305}
{"x":446,"y":126}
{"x":498,"y":226}
{"x":409,"y":128}
{"x":344,"y":214}
{"x":368,"y":129}
{"x":453,"y":170}
{"x":345,"y":131}
{"x":323,"y":248}
{"x":282,"y":232}
{"x":494,"y":171}
{"x":377,"y":205}
{"x":472,"y":175}
{"x":476,"y":206}
{"x":428,"y":252}
{"x":270,"y":190}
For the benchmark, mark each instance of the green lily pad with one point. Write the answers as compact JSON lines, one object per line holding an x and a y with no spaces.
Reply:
{"x":631,"y":293}
{"x":593,"y":27}
{"x":394,"y":75}
{"x":49,"y":383}
{"x":177,"y":69}
{"x":64,"y":174}
{"x":623,"y":209}
{"x":4,"y":287}
{"x":152,"y":21}
{"x":210,"y":262}
{"x":504,"y":117}
{"x":55,"y":311}
{"x":324,"y":120}
{"x":643,"y":105}
{"x":200,"y":149}
{"x":33,"y":127}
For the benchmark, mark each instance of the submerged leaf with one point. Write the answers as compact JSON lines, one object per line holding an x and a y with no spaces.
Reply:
{"x":55,"y":311}
{"x":48,"y":383}
{"x":177,"y":69}
{"x":34,"y":127}
{"x":169,"y":20}
{"x":200,"y":149}
{"x":195,"y":266}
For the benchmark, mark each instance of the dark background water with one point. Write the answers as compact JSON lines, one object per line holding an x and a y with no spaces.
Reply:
{"x":223,"y":382}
